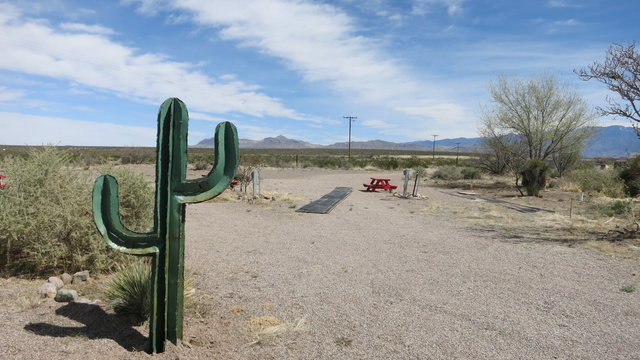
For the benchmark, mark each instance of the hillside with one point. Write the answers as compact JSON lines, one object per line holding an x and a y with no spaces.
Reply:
{"x":610,"y":141}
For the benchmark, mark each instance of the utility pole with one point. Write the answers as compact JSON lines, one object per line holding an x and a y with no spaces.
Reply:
{"x":457,"y":152}
{"x":433,"y":153}
{"x":351,"y":119}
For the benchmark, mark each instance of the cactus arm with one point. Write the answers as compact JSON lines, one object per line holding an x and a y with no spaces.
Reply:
{"x":106,"y":215}
{"x":226,"y":160}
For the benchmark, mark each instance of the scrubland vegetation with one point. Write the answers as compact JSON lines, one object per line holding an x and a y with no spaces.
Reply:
{"x":46,"y":218}
{"x":47,"y":223}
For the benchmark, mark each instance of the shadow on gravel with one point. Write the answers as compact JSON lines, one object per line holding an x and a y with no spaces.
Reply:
{"x":98,"y":325}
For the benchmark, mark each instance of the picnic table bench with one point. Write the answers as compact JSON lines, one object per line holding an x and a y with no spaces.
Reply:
{"x":231,"y":184}
{"x":379,"y":183}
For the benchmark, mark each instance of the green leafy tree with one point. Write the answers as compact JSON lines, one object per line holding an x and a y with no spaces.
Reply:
{"x":533,"y":119}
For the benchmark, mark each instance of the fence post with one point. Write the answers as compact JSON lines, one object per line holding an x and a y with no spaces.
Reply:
{"x":255,"y":179}
{"x":415,"y":184}
{"x":407,"y":175}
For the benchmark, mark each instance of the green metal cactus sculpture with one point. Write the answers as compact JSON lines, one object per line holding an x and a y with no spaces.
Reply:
{"x":165,"y":243}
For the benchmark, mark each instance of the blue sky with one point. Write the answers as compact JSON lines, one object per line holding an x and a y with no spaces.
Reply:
{"x":95,"y":72}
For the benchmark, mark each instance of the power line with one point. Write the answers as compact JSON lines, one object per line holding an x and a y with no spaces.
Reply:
{"x":351,"y":119}
{"x":433,"y":156}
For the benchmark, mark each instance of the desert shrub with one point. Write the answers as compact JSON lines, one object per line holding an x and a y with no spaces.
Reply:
{"x":136,"y":198}
{"x":128,"y":292}
{"x":534,"y":176}
{"x":244,"y":176}
{"x":470,"y":173}
{"x":137,"y":156}
{"x":448,"y":173}
{"x":201,"y":165}
{"x":621,"y":207}
{"x":386,"y":163}
{"x":631,"y":176}
{"x":414,"y":162}
{"x":492,"y":163}
{"x":46,"y":218}
{"x":615,"y":207}
{"x":590,"y":180}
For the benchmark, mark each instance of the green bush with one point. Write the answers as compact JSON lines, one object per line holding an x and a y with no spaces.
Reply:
{"x":594,"y":181}
{"x":534,"y":176}
{"x":456,"y":173}
{"x":470,"y":173}
{"x":631,"y":176}
{"x":616,"y":207}
{"x":129,"y":291}
{"x":448,"y":173}
{"x":46,"y":218}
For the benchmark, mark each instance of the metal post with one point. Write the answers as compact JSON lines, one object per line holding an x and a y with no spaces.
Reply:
{"x":433,"y":156}
{"x":457,"y":152}
{"x":407,"y":174}
{"x":415,"y":184}
{"x":350,"y":118}
{"x":255,"y":179}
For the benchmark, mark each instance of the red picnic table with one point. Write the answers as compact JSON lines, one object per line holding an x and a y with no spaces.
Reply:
{"x":231,"y":184}
{"x":1,"y":184}
{"x":379,"y":183}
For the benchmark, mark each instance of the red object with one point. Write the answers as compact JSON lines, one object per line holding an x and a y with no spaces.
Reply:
{"x":1,"y":184}
{"x":232,"y":184}
{"x":380,"y":183}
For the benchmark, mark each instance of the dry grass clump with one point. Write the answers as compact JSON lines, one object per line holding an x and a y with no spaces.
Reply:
{"x":46,"y":218}
{"x":267,"y":328}
{"x":265,"y":197}
{"x":573,"y":223}
{"x":237,"y":309}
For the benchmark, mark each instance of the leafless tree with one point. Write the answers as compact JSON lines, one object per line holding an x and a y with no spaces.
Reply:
{"x":620,"y":71}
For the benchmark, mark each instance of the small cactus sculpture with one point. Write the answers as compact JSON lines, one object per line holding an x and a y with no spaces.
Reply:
{"x":165,"y":243}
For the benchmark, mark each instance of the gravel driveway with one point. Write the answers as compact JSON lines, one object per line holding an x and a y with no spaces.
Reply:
{"x":379,"y":278}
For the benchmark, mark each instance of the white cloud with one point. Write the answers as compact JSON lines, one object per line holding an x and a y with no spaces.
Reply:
{"x":563,"y":4}
{"x":421,"y":7}
{"x":93,"y":60}
{"x":23,"y":129}
{"x":568,"y":22}
{"x":84,"y":28}
{"x":316,"y":40}
{"x":446,"y":114}
{"x":205,"y":117}
{"x":9,"y":94}
{"x":378,"y":124}
{"x":323,"y":45}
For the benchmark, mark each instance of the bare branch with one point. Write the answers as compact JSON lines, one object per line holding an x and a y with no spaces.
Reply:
{"x":620,"y":72}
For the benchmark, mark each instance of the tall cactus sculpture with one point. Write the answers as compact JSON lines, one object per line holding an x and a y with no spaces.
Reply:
{"x":165,"y":243}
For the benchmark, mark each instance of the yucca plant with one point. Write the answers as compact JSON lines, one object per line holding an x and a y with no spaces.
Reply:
{"x":128,"y":293}
{"x":534,"y":176}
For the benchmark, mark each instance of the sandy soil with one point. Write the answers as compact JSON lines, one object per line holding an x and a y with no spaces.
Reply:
{"x":377,"y":278}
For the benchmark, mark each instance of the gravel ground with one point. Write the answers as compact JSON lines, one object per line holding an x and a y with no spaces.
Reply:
{"x":377,"y":278}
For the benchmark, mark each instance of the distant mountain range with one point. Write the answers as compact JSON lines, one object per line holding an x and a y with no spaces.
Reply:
{"x":610,"y":141}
